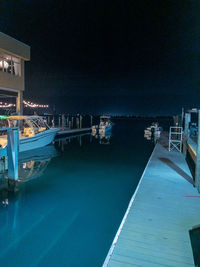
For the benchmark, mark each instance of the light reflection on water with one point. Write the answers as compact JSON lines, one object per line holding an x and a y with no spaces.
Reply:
{"x":70,"y":198}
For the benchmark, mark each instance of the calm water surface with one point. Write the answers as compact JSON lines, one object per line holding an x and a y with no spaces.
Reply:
{"x":71,"y":198}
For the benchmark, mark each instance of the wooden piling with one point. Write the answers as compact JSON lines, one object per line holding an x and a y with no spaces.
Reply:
{"x":186,"y":133}
{"x":81,"y":121}
{"x":63,"y":121}
{"x":91,"y":120}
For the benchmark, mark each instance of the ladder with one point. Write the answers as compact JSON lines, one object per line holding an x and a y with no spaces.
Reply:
{"x":175,"y":138}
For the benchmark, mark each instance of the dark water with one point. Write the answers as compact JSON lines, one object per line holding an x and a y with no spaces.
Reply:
{"x":72,"y":198}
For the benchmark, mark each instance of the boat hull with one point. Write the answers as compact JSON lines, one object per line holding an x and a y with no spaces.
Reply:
{"x":105,"y":129}
{"x":39,"y":140}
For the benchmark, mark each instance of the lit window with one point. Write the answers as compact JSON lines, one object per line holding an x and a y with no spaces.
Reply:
{"x":10,"y":64}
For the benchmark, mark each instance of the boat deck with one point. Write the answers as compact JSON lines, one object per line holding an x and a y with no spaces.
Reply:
{"x":165,"y":206}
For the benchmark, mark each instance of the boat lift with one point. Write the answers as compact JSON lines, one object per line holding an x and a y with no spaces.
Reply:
{"x":11,"y":151}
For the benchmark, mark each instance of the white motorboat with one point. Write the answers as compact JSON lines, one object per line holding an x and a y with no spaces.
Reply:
{"x":105,"y":124}
{"x":153,"y":131}
{"x":33,"y":132}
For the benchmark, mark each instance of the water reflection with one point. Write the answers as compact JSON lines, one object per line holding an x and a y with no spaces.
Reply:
{"x":74,"y":202}
{"x":33,"y":163}
{"x":103,"y":137}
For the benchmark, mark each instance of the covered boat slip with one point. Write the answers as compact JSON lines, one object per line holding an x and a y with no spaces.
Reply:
{"x":165,"y":206}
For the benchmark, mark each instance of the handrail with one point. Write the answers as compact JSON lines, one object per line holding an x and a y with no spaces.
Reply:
{"x":9,"y":128}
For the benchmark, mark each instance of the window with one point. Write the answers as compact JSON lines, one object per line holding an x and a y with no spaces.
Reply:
{"x":10,"y":64}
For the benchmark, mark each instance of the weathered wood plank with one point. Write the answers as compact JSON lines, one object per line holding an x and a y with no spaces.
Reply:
{"x":164,"y":208}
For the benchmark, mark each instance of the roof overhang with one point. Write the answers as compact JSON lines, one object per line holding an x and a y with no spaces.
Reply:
{"x":14,"y":47}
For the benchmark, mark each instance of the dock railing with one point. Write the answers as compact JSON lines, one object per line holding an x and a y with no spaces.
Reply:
{"x":175,"y":138}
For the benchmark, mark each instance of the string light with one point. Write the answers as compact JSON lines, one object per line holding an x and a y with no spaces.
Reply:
{"x":27,"y":104}
{"x":34,"y":105}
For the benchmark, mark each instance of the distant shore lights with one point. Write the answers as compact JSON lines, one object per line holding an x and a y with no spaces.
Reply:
{"x":27,"y":104}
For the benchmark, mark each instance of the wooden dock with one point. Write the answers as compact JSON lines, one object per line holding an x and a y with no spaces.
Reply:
{"x":164,"y":207}
{"x":68,"y":131}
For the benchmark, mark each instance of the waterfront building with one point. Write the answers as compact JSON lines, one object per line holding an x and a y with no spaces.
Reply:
{"x":13,"y":55}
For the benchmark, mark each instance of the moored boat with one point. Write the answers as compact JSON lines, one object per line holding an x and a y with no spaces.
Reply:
{"x":34,"y":132}
{"x":105,"y":124}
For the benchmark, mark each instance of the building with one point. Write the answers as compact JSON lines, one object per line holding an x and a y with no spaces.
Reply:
{"x":13,"y":55}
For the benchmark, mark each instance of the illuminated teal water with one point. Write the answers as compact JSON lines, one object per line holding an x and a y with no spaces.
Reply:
{"x":72,"y":198}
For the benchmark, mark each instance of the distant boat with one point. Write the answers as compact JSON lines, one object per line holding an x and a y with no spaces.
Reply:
{"x":34,"y":132}
{"x":105,"y":124}
{"x":153,"y":131}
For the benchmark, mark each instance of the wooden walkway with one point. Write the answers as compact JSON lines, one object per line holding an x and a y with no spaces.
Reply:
{"x":165,"y":206}
{"x":68,"y":131}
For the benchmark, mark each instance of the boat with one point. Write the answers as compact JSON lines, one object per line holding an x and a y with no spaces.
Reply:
{"x":153,"y":131}
{"x":34,"y":132}
{"x":105,"y":124}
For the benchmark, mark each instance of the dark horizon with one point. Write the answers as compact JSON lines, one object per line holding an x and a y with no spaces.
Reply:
{"x":120,"y":57}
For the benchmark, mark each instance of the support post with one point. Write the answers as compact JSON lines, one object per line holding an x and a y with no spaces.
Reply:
{"x":72,"y":125}
{"x":19,"y":103}
{"x":12,"y":152}
{"x":197,"y":169}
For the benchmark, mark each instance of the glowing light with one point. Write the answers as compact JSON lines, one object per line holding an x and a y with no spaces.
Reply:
{"x":5,"y":64}
{"x":27,"y":104}
{"x":34,"y":105}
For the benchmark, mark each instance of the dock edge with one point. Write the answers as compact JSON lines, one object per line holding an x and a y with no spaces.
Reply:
{"x":107,"y":259}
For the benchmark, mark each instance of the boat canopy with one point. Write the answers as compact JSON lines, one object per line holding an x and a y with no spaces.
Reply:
{"x":104,"y":117}
{"x":17,"y":117}
{"x":28,"y":125}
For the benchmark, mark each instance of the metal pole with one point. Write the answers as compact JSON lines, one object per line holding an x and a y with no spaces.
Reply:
{"x":197,"y":170}
{"x":12,"y":152}
{"x":72,"y":123}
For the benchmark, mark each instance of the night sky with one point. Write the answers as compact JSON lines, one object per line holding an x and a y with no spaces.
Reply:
{"x":137,"y":57}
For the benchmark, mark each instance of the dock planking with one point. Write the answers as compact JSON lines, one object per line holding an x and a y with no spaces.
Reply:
{"x":164,"y":207}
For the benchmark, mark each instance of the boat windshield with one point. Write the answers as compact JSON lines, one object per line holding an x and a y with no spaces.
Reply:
{"x":3,"y":123}
{"x":104,"y":120}
{"x":40,"y":123}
